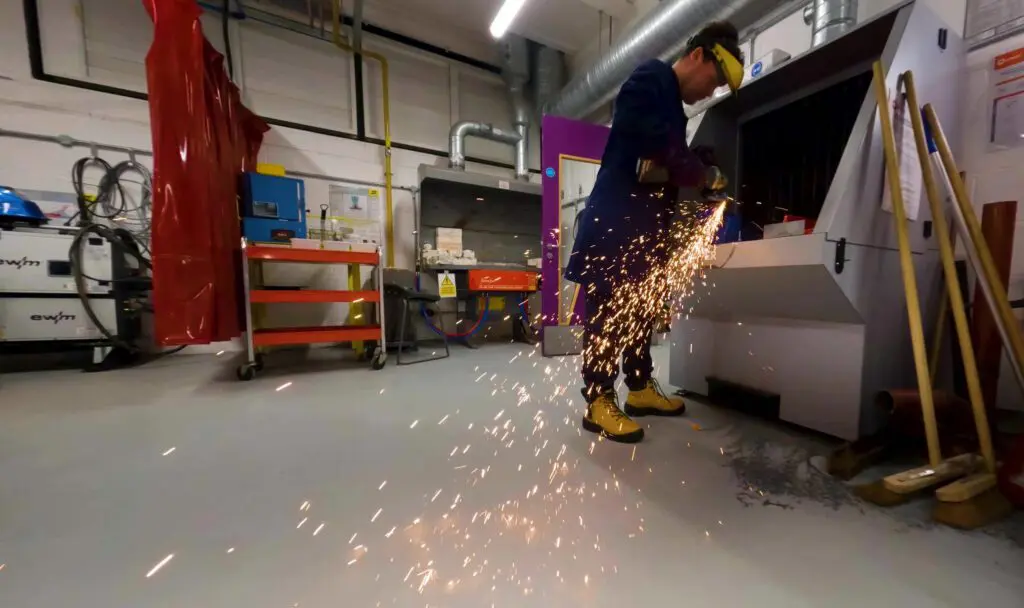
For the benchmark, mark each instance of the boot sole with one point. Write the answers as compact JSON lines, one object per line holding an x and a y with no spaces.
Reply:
{"x":638,"y":412}
{"x":594,"y":427}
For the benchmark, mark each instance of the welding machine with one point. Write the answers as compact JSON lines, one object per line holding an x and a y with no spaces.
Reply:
{"x":39,"y":300}
{"x":273,"y":208}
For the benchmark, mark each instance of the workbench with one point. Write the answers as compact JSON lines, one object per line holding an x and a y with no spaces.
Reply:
{"x":483,"y":281}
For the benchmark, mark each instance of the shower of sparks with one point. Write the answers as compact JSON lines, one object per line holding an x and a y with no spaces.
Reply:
{"x":382,"y":484}
{"x":283,"y":386}
{"x":301,"y":523}
{"x":169,"y":452}
{"x":318,"y":529}
{"x":542,"y":504}
{"x":159,"y":565}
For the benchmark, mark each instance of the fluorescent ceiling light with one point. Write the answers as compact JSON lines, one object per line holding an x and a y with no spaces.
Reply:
{"x":506,"y":14}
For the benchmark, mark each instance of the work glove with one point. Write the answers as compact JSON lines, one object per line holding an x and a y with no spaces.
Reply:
{"x":715,"y":181}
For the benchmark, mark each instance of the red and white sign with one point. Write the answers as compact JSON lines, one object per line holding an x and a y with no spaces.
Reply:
{"x":1007,"y":125}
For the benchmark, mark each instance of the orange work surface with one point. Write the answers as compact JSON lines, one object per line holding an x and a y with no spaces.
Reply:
{"x":502,"y":280}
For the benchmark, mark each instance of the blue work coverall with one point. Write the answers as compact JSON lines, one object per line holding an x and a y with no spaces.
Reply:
{"x":648,"y":124}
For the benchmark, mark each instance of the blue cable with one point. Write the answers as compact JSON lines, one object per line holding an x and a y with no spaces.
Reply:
{"x":472,"y":332}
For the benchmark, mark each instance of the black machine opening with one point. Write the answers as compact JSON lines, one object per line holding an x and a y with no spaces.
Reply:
{"x":789,"y":156}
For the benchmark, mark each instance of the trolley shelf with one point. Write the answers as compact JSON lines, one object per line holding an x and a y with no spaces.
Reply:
{"x":254,"y":292}
{"x":310,"y":296}
{"x":312,"y":335}
{"x":311,"y":256}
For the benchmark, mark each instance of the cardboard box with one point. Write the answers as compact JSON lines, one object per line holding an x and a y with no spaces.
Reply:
{"x":449,"y":239}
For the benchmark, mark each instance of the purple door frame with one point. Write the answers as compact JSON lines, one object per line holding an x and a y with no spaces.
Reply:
{"x":561,"y":137}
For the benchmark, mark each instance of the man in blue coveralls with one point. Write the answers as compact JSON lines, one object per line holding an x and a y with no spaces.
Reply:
{"x":625,"y":226}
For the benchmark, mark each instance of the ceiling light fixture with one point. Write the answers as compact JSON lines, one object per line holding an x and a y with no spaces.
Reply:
{"x":506,"y":14}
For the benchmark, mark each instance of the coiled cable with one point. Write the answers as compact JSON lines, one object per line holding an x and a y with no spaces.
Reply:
{"x":107,"y":214}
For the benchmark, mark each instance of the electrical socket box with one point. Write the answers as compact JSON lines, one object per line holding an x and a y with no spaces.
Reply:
{"x":37,"y":262}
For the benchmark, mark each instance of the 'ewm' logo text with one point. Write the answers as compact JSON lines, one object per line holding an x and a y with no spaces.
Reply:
{"x":22,"y":263}
{"x":56,"y":318}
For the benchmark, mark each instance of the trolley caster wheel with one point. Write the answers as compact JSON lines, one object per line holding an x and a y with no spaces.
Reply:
{"x":246,"y":372}
{"x":379,"y":360}
{"x":258,"y":365}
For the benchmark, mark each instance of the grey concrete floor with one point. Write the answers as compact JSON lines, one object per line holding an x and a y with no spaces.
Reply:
{"x":463,"y":482}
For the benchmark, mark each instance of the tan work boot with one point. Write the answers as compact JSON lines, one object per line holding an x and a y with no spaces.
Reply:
{"x":652,"y":401}
{"x":604,"y":416}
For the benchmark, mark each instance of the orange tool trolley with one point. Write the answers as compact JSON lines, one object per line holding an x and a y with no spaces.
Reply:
{"x":257,"y":338}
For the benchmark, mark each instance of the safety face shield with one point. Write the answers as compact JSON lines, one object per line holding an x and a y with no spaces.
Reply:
{"x":730,"y":69}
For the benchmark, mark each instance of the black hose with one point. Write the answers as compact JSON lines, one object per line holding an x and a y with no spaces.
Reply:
{"x":110,"y":203}
{"x":110,"y":200}
{"x":120,"y":241}
{"x":227,"y":39}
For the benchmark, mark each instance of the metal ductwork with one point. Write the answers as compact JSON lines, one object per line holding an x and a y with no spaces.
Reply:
{"x":468,"y":128}
{"x":515,"y":70}
{"x":549,"y":76}
{"x":830,"y":19}
{"x":662,"y":33}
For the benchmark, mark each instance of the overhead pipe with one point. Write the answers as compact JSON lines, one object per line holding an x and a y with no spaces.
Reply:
{"x":830,"y":19}
{"x":549,"y":76}
{"x":389,"y":212}
{"x":661,"y":33}
{"x":515,"y":71}
{"x":469,"y":128}
{"x":357,"y":25}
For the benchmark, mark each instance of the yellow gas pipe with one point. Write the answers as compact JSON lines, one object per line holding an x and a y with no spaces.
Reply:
{"x":389,"y":216}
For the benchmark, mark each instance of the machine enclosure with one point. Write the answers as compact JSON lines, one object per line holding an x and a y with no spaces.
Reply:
{"x":818,"y":321}
{"x":27,"y":319}
{"x":37,"y":263}
{"x":38,"y":298}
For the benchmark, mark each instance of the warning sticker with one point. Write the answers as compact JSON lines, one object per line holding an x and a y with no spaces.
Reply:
{"x":446,"y":284}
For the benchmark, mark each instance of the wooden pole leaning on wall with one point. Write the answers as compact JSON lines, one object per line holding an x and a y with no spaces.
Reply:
{"x":995,"y":288}
{"x":978,"y":483}
{"x":907,"y":268}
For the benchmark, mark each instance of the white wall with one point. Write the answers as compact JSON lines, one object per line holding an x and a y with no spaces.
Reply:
{"x":994,"y":175}
{"x":283,"y":75}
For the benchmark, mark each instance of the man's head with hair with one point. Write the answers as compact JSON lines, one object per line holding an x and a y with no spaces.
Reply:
{"x":705,"y":65}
